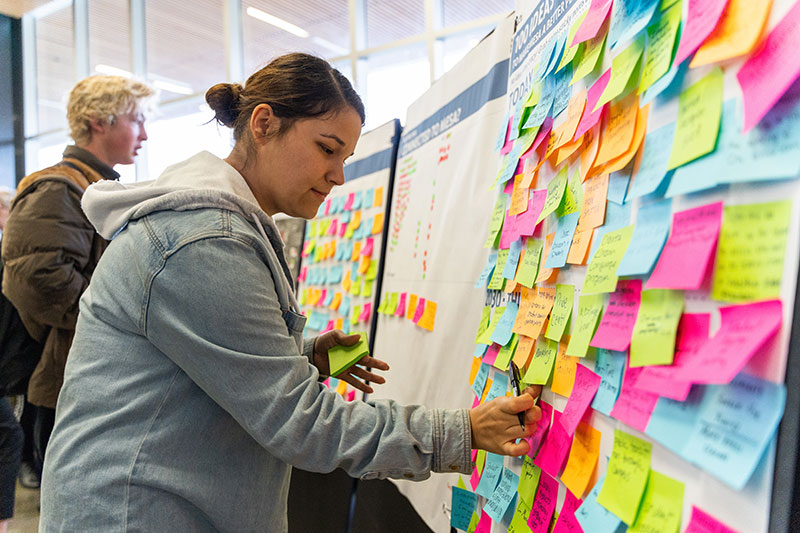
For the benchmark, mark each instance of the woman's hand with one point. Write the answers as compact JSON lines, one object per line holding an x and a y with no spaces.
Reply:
{"x":495,"y":425}
{"x":354,"y":374}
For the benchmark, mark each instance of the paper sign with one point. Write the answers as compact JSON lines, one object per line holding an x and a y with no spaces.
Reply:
{"x":562,"y":310}
{"x":624,"y":71}
{"x":583,"y":391}
{"x":701,"y":21}
{"x":502,"y":495}
{"x":564,"y":371}
{"x":649,"y":236}
{"x":582,"y":460}
{"x":683,"y":261}
{"x":492,"y":470}
{"x":589,"y":308}
{"x":594,"y":517}
{"x":662,"y":505}
{"x":341,"y":357}
{"x":555,"y":192}
{"x":529,"y":265}
{"x":702,"y":522}
{"x":634,"y":406}
{"x":672,"y":422}
{"x":652,"y":168}
{"x":601,"y":276}
{"x":610,"y":366}
{"x":595,"y":16}
{"x":616,"y":327}
{"x":531,"y":322}
{"x":699,"y":113}
{"x":544,"y":505}
{"x":541,"y":365}
{"x":463,"y":504}
{"x":660,"y":44}
{"x":626,"y":476}
{"x":559,"y":250}
{"x":653,"y":341}
{"x":528,"y":479}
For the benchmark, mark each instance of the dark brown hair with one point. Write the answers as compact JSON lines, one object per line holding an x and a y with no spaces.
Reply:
{"x":295,"y":85}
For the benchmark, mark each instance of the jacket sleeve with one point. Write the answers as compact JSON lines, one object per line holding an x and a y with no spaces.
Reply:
{"x":46,"y":246}
{"x":225,"y":329}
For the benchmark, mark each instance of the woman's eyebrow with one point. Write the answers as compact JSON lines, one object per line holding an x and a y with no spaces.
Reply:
{"x":334,"y":137}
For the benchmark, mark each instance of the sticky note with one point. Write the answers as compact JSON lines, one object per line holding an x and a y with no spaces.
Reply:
{"x":590,"y":117}
{"x":530,"y":322}
{"x":601,"y":276}
{"x":701,"y":20}
{"x":555,"y":192}
{"x":341,"y":357}
{"x":528,"y":268}
{"x":487,"y":271}
{"x":496,"y":221}
{"x":593,"y":212}
{"x":595,"y":16}
{"x":702,"y":522}
{"x":564,"y":371}
{"x":653,"y":341}
{"x":579,"y":250}
{"x":377,"y":223}
{"x":484,"y":524}
{"x":483,"y":325}
{"x":546,"y":275}
{"x":527,"y":222}
{"x":625,"y":69}
{"x":588,"y":58}
{"x":582,"y":461}
{"x":480,"y":380}
{"x":555,"y":447}
{"x":662,"y":505}
{"x":652,"y":168}
{"x":562,"y":241}
{"x":542,"y":361}
{"x":506,"y":352}
{"x":428,"y":318}
{"x":573,"y":197}
{"x":492,"y":470}
{"x":544,"y":505}
{"x":736,"y":33}
{"x":736,"y":423}
{"x":699,"y":113}
{"x":683,"y":261}
{"x":502,"y":495}
{"x":570,"y":49}
{"x":499,"y":387}
{"x":497,"y":280}
{"x":519,"y":523}
{"x":400,"y":310}
{"x":616,"y":326}
{"x":628,"y":18}
{"x":528,"y":480}
{"x":751,"y":251}
{"x":537,"y":438}
{"x":610,"y":366}
{"x":634,"y":406}
{"x":523,"y":351}
{"x":589,"y":308}
{"x":575,"y":109}
{"x":649,"y":235}
{"x":594,"y":517}
{"x":660,"y":45}
{"x":583,"y":390}
{"x":542,"y":109}
{"x":626,"y":476}
{"x":619,"y":133}
{"x":512,"y":261}
{"x":672,"y":422}
{"x":463,"y":504}
{"x":561,"y":312}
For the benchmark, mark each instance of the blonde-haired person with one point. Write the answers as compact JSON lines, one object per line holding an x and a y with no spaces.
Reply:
{"x":189,"y":392}
{"x":49,"y":248}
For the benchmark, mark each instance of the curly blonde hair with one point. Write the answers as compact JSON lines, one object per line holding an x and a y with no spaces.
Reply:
{"x":104,"y":98}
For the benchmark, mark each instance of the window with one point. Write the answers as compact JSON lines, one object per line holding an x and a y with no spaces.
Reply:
{"x":55,"y":73}
{"x":390,"y":21}
{"x":394,"y":80}
{"x":109,"y":36}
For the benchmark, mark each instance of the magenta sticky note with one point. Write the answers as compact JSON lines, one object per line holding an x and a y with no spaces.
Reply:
{"x":595,"y":16}
{"x":567,"y":523}
{"x":771,"y":69}
{"x":365,"y":313}
{"x":330,"y":326}
{"x":509,"y":143}
{"x":590,"y":118}
{"x":419,"y":310}
{"x":544,"y":504}
{"x":583,"y":391}
{"x":351,"y":396}
{"x":616,"y":326}
{"x":342,"y":229}
{"x":511,"y":231}
{"x":743,"y":330}
{"x":327,"y":207}
{"x":702,"y":522}
{"x":634,"y":407}
{"x":554,"y":451}
{"x":484,"y":524}
{"x":366,"y":251}
{"x":702,"y":18}
{"x":491,"y":354}
{"x":544,"y":133}
{"x":303,"y":274}
{"x":333,"y":227}
{"x":475,"y":403}
{"x":401,"y":305}
{"x":689,"y":248}
{"x":509,"y":187}
{"x":536,"y":439}
{"x":322,"y":297}
{"x":348,"y":204}
{"x":526,"y":222}
{"x":474,"y":479}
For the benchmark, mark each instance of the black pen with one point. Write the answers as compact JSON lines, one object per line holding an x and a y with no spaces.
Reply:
{"x":515,"y":388}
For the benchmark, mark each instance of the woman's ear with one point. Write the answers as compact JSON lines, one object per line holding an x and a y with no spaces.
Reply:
{"x":263,"y":123}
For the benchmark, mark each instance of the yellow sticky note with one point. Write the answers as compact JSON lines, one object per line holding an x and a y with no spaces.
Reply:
{"x":571,"y":51}
{"x":579,"y":249}
{"x":566,"y":130}
{"x":372,"y":271}
{"x":541,"y":366}
{"x":428,"y":317}
{"x":593,"y":212}
{"x":639,"y":130}
{"x":582,"y":460}
{"x":591,"y":144}
{"x":662,"y":505}
{"x":355,"y":288}
{"x":486,"y":337}
{"x":486,"y":389}
{"x":736,"y":33}
{"x":519,"y":197}
{"x":531,"y":322}
{"x":562,"y":310}
{"x":341,"y":388}
{"x":378,"y":198}
{"x":588,"y":56}
{"x":363,"y":265}
{"x":653,"y":341}
{"x":624,"y":72}
{"x":377,"y":223}
{"x":473,"y":371}
{"x":497,"y":280}
{"x":601,"y":276}
{"x":483,"y":325}
{"x":564,"y":371}
{"x":339,"y":323}
{"x":337,"y":300}
{"x":356,"y":251}
{"x":528,"y":266}
{"x":626,"y":476}
{"x":366,"y":288}
{"x":412,"y":306}
{"x":618,"y":135}
{"x":555,"y":192}
{"x":699,"y":113}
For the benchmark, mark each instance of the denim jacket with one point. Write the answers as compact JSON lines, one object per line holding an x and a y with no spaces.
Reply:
{"x":188,"y":393}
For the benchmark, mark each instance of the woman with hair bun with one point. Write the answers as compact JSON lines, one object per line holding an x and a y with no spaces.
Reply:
{"x":189,"y":392}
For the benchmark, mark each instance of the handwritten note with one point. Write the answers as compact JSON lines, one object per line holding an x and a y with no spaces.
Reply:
{"x":583,"y":390}
{"x":559,"y":251}
{"x":652,"y":168}
{"x":595,"y":16}
{"x":634,"y":406}
{"x":662,"y":505}
{"x":593,"y":212}
{"x":618,"y":135}
{"x":463,"y":504}
{"x":531,"y":322}
{"x":497,"y":280}
{"x":700,"y":22}
{"x":506,"y":353}
{"x":562,"y":310}
{"x":649,"y":236}
{"x":672,"y":422}
{"x":628,"y":18}
{"x":624,"y":72}
{"x":564,"y":371}
{"x":555,"y":192}
{"x":567,"y":523}
{"x":660,"y":44}
{"x":496,"y":222}
{"x":528,"y":480}
{"x":541,"y":365}
{"x":589,"y":56}
{"x":492,"y":470}
{"x":653,"y":341}
{"x":535,"y":440}
{"x":626,"y":476}
{"x":699,"y":113}
{"x":601,"y":276}
{"x":616,"y":327}
{"x":702,"y":522}
{"x":610,"y":366}
{"x":502,"y":331}
{"x":502,"y":495}
{"x":594,"y":517}
{"x":544,"y":505}
{"x":589,"y":308}
{"x":529,"y":263}
{"x":480,"y":380}
{"x":524,"y":350}
{"x":583,"y":456}
{"x":519,"y":523}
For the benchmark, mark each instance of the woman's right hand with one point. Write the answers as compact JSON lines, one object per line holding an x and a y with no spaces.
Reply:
{"x":495,"y":425}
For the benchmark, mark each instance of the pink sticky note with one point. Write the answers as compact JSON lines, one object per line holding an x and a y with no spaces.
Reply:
{"x":419,"y":310}
{"x":771,"y":69}
{"x":589,"y":118}
{"x":333,"y":227}
{"x":544,"y":504}
{"x":327,"y":207}
{"x":348,"y":204}
{"x":509,"y":188}
{"x":303,"y":274}
{"x":526,"y":222}
{"x":491,"y":354}
{"x":367,"y":249}
{"x":322,"y":297}
{"x":743,"y":330}
{"x":567,"y":523}
{"x":536,"y":439}
{"x":510,"y":231}
{"x":616,"y":327}
{"x":700,"y":22}
{"x":342,"y":229}
{"x":401,"y":305}
{"x":329,"y":327}
{"x":689,"y":248}
{"x":702,"y":522}
{"x":583,"y":391}
{"x":351,"y":396}
{"x":553,"y":455}
{"x":595,"y":16}
{"x":475,"y":478}
{"x":364,"y":317}
{"x":484,"y":524}
{"x":634,"y":406}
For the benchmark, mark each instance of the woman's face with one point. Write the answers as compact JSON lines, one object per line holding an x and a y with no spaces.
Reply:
{"x":294,"y":172}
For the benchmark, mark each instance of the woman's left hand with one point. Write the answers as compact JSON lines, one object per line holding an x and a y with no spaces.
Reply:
{"x":354,"y":375}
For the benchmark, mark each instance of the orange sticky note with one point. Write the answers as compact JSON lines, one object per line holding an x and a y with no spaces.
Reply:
{"x":524,"y":350}
{"x":510,"y":286}
{"x":582,"y":460}
{"x":593,"y":211}
{"x":552,"y":139}
{"x":529,"y":174}
{"x":591,"y":144}
{"x":486,"y":389}
{"x":736,"y":33}
{"x":567,"y":151}
{"x":378,"y":197}
{"x":363,"y":266}
{"x":341,"y":388}
{"x":339,"y":323}
{"x":428,"y":317}
{"x":564,"y":371}
{"x":355,"y":222}
{"x":622,"y":161}
{"x":519,"y":197}
{"x":356,"y":251}
{"x":473,"y":371}
{"x":579,"y":249}
{"x":566,"y":130}
{"x":337,"y":300}
{"x":346,"y":283}
{"x":412,"y":306}
{"x":620,"y":127}
{"x":377,"y":223}
{"x":546,"y":274}
{"x":332,"y":249}
{"x":531,"y":323}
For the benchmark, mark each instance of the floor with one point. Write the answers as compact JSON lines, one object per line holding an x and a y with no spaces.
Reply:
{"x":26,"y":511}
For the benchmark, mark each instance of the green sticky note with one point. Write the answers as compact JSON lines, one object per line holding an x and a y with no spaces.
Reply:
{"x":528,"y":269}
{"x":341,"y":358}
{"x":355,"y":288}
{"x":534,"y":95}
{"x":626,"y":476}
{"x":624,"y":70}
{"x":366,"y":288}
{"x":699,"y":112}
{"x":480,"y":459}
{"x":506,"y":353}
{"x":751,"y":252}
{"x":555,"y":192}
{"x":589,"y":308}
{"x":498,"y":281}
{"x":519,"y":523}
{"x":653,"y":341}
{"x":541,"y":366}
{"x":573,"y":196}
{"x":528,"y":480}
{"x":588,"y":57}
{"x":601,"y":275}
{"x":662,"y":505}
{"x":354,"y":312}
{"x":496,"y":222}
{"x":486,"y":314}
{"x":372,"y":271}
{"x":393,"y":304}
{"x":562,"y":310}
{"x":571,"y":51}
{"x":660,"y":45}
{"x":461,"y":484}
{"x":486,"y":337}
{"x":473,"y":522}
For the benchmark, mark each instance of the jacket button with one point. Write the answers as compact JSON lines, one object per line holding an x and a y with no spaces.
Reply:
{"x":454,"y":468}
{"x":408,"y":475}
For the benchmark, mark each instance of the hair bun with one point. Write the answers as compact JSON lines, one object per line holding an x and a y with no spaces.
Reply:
{"x":223,"y":98}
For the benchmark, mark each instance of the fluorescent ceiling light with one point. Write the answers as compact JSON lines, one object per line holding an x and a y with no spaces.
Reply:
{"x":112,"y":71}
{"x":173,"y":87}
{"x":335,"y":48}
{"x":275,"y":21}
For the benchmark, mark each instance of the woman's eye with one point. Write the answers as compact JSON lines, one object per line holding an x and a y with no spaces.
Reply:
{"x":326,"y":149}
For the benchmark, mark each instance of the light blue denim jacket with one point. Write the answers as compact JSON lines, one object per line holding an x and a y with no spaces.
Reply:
{"x":188,"y":392}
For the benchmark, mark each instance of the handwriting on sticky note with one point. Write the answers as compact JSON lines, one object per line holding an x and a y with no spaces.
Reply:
{"x":531,"y":323}
{"x":583,"y":391}
{"x":601,"y":276}
{"x":616,"y":326}
{"x":634,"y":406}
{"x":662,"y":505}
{"x":562,"y":310}
{"x":553,"y":453}
{"x":463,"y":504}
{"x":660,"y":44}
{"x":583,"y":456}
{"x":610,"y":366}
{"x":653,"y":341}
{"x":555,"y":192}
{"x":502,"y":495}
{"x":699,"y":113}
{"x":619,"y":132}
{"x":589,"y":308}
{"x":529,"y":265}
{"x":543,"y":505}
{"x":624,"y":69}
{"x":596,"y":15}
{"x":542,"y":361}
{"x":626,"y":476}
{"x":528,"y":480}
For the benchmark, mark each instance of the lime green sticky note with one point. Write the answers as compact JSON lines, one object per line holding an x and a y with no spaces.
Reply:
{"x":480,"y":459}
{"x":541,"y":366}
{"x":486,"y":337}
{"x":562,"y":310}
{"x":529,"y":268}
{"x":660,"y":45}
{"x":588,"y":57}
{"x":573,"y":196}
{"x":341,"y":358}
{"x":534,"y":95}
{"x":662,"y":505}
{"x":626,"y":476}
{"x":751,"y":252}
{"x":461,"y":484}
{"x":486,"y":314}
{"x":506,"y":353}
{"x":355,"y":288}
{"x":601,"y":275}
{"x":393,"y":304}
{"x":555,"y":192}
{"x":496,"y":222}
{"x":355,"y":311}
{"x":473,"y":522}
{"x":571,"y":51}
{"x":366,"y":288}
{"x":372,"y":271}
{"x":528,"y":480}
{"x":623,"y":68}
{"x":519,"y":523}
{"x":498,"y":281}
{"x":653,"y":341}
{"x":589,"y":308}
{"x":699,"y":112}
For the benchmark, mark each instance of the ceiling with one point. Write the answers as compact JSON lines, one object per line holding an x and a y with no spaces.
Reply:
{"x":17,"y":8}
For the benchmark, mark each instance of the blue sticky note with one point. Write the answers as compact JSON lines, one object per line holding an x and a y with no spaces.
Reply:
{"x":480,"y":380}
{"x":463,"y":504}
{"x":653,"y":165}
{"x":344,"y":218}
{"x":479,"y":350}
{"x":510,"y":163}
{"x":512,"y":261}
{"x":610,"y":366}
{"x":513,"y":133}
{"x":502,"y":496}
{"x":369,"y":197}
{"x":502,"y":332}
{"x":618,"y":184}
{"x":501,"y":135}
{"x":672,"y":422}
{"x":649,"y":235}
{"x":492,"y":470}
{"x":558,"y":51}
{"x":357,"y":199}
{"x":344,"y":307}
{"x":594,"y":517}
{"x":735,"y":424}
{"x":628,"y":18}
{"x":559,"y":250}
{"x":561,"y":89}
{"x":668,"y":86}
{"x":499,"y":386}
{"x":346,"y":327}
{"x":542,"y":109}
{"x":545,"y":59}
{"x":353,"y":274}
{"x":483,"y":279}
{"x":328,"y":299}
{"x":617,"y":217}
